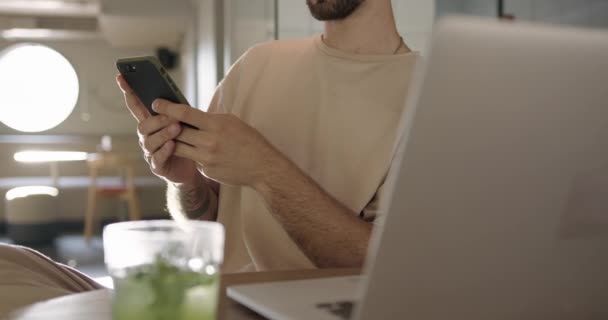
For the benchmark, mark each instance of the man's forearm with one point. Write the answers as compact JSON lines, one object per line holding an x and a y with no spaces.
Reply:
{"x":329,"y":233}
{"x":192,"y":201}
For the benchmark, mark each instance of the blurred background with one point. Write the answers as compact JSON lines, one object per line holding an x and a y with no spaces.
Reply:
{"x":68,"y":148}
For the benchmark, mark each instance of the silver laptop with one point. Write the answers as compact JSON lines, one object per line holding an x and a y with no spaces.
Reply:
{"x":499,"y":204}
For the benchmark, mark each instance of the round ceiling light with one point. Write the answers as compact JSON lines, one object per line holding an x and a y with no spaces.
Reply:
{"x":38,"y":88}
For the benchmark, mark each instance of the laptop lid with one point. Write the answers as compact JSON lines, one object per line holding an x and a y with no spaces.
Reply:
{"x":499,"y":205}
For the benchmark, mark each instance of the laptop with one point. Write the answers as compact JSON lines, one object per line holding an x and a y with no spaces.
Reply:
{"x":499,"y":188}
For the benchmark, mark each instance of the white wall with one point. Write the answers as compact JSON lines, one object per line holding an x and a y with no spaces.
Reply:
{"x":415,"y":19}
{"x":100,"y":109}
{"x":188,"y":63}
{"x":449,"y":6}
{"x":247,"y":23}
{"x":295,"y":20}
{"x":207,"y":51}
{"x":206,"y":56}
{"x":585,"y":13}
{"x":487,"y":8}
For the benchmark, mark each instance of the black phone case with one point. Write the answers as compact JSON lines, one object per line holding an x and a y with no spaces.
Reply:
{"x":150,"y":81}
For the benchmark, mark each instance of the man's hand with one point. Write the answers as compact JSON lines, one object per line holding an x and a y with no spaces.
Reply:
{"x":226,"y":149}
{"x":156,"y":139}
{"x":230,"y":151}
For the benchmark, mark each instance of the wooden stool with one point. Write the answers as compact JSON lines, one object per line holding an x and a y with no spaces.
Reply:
{"x":110,"y":161}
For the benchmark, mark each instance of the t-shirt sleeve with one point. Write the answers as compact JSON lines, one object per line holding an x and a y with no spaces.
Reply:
{"x":226,"y":91}
{"x":372,"y":210}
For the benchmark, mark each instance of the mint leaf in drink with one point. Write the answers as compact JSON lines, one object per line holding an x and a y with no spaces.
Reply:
{"x":163,"y":291}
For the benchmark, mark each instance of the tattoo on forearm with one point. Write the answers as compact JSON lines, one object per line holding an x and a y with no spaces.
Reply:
{"x":195,"y":202}
{"x":190,"y":202}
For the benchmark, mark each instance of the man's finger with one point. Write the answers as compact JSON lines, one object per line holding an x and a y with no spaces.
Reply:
{"x":153,"y":124}
{"x":123,"y":85}
{"x":155,"y":141}
{"x":135,"y":106}
{"x":185,"y":151}
{"x":160,"y":157}
{"x":182,"y":112}
{"x":198,"y":138}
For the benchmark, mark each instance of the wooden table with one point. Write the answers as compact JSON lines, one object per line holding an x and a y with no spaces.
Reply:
{"x":95,"y":305}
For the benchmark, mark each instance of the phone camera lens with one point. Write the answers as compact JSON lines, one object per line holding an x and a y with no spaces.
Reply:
{"x":130,"y":68}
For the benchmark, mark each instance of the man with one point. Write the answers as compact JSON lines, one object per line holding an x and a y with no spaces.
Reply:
{"x":296,"y":144}
{"x":291,"y":157}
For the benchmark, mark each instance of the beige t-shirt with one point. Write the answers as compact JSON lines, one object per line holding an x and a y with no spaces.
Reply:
{"x":334,"y":114}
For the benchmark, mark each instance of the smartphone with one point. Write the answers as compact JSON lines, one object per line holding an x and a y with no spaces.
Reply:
{"x":150,"y":81}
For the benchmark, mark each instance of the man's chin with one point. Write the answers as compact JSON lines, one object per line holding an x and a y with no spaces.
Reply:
{"x":328,"y":10}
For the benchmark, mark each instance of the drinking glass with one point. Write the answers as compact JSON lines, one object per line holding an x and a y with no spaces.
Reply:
{"x":164,"y":269}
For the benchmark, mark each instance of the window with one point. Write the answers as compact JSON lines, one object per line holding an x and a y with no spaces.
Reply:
{"x":38,"y":88}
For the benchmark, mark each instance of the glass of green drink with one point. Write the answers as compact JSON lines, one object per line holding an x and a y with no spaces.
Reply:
{"x":164,"y":269}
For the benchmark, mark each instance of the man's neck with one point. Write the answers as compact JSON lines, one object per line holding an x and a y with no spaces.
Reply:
{"x":370,"y":29}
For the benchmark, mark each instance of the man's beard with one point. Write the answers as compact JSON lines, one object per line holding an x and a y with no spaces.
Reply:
{"x":327,"y":10}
